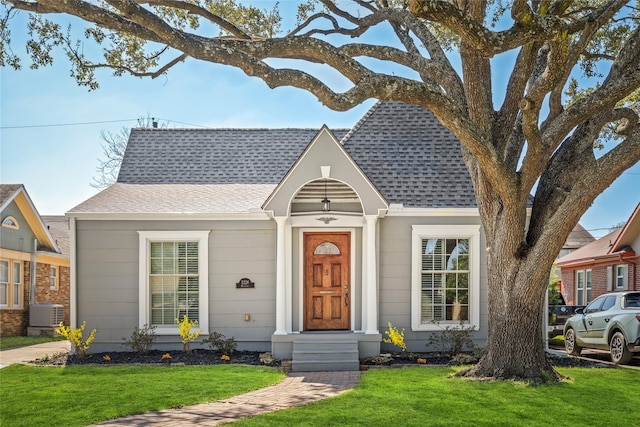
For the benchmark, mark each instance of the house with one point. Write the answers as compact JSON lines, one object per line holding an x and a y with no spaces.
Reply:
{"x":34,"y":266}
{"x":578,"y":238}
{"x":294,"y":241}
{"x":611,"y":263}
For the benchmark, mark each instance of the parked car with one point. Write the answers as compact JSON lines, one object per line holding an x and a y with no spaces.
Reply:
{"x":610,"y":322}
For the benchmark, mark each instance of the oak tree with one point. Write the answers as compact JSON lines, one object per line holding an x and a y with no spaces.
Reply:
{"x":533,"y":155}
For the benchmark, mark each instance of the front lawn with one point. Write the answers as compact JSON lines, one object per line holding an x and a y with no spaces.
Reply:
{"x":82,"y":395}
{"x":15,"y":342}
{"x":429,"y":397}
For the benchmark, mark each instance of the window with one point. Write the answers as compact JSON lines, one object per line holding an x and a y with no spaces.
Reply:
{"x":53,"y":277}
{"x":621,"y":276}
{"x":446,"y":276}
{"x":10,"y":284}
{"x":583,"y":287}
{"x":10,"y":222}
{"x":173,"y":279}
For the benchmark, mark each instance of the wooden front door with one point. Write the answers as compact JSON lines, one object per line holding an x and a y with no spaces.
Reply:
{"x":327,"y":276}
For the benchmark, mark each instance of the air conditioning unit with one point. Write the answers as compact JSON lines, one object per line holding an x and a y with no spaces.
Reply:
{"x":46,"y":315}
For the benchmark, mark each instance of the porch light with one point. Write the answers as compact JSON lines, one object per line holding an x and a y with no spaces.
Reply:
{"x":326,"y":203}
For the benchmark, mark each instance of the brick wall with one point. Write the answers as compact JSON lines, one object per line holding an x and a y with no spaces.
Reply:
{"x":15,"y":322}
{"x":599,"y":283}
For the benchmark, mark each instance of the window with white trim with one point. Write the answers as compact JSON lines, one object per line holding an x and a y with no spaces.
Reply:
{"x":11,"y":287}
{"x":583,"y":287}
{"x":445,"y":283}
{"x":173,"y":279}
{"x":53,"y":277}
{"x":621,"y":277}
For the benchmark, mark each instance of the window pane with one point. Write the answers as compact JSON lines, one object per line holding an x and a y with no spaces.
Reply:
{"x":445,"y":280}
{"x":17,"y":272}
{"x":4,"y":271}
{"x":174,"y":282}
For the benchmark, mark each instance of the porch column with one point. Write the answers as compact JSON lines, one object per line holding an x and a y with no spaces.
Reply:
{"x":371,"y":284}
{"x":281,"y":298}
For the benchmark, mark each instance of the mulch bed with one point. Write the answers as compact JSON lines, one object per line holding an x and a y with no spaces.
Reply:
{"x":208,"y":357}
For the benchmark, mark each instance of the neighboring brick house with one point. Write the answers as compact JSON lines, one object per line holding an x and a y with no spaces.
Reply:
{"x":25,"y":238}
{"x":611,"y":263}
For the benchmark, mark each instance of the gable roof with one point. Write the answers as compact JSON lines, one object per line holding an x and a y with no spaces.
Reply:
{"x":612,"y":246}
{"x":578,"y":237}
{"x":629,"y":232}
{"x":18,"y":194}
{"x":404,"y":151}
{"x":412,"y":158}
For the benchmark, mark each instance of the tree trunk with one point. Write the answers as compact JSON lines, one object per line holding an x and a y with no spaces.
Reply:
{"x":517,"y":284}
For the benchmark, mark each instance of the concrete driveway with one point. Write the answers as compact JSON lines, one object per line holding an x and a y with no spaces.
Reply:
{"x":33,"y":352}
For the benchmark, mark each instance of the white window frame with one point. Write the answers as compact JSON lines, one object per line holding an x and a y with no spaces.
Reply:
{"x":54,"y":273}
{"x":13,"y":289}
{"x":7,"y":284}
{"x":620,"y":276}
{"x":145,"y":239}
{"x":580,"y":286}
{"x":420,"y":232}
{"x":11,"y":222}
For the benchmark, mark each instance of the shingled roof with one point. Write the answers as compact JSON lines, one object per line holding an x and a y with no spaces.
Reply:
{"x":411,"y":157}
{"x":404,"y":150}
{"x":213,"y":156}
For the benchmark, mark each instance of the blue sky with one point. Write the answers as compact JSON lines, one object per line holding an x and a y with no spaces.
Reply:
{"x":50,"y":136}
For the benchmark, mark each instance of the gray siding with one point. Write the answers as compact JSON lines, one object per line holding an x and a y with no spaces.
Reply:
{"x":107,"y":279}
{"x":20,"y":240}
{"x":395,"y":278}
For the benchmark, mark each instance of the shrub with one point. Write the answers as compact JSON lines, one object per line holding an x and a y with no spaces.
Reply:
{"x":185,"y":328}
{"x":141,"y":339}
{"x":75,"y":336}
{"x":220,"y":343}
{"x":395,"y":337}
{"x":453,"y":340}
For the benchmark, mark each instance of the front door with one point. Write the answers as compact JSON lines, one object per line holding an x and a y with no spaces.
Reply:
{"x":327,"y":287}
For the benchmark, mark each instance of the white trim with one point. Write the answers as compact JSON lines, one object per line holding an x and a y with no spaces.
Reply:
{"x":73,"y":274}
{"x":472,"y":232}
{"x":14,"y":224}
{"x":352,"y":271}
{"x":394,"y":210}
{"x":120,"y":216}
{"x":337,"y":221}
{"x":145,"y":237}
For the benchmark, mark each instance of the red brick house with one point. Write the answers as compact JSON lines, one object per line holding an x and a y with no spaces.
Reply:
{"x":611,"y":263}
{"x":34,"y":264}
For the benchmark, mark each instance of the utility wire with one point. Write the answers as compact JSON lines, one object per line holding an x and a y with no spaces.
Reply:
{"x":95,"y":123}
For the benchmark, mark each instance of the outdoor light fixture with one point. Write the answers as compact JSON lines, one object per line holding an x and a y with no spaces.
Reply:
{"x":326,"y":203}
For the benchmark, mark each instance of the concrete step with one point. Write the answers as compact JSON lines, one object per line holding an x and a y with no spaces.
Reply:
{"x":317,"y":354}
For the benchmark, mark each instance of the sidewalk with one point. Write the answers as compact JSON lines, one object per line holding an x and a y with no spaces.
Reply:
{"x":33,"y":352}
{"x":299,"y":388}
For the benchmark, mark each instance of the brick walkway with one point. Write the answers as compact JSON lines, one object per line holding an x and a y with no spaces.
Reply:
{"x":299,"y":388}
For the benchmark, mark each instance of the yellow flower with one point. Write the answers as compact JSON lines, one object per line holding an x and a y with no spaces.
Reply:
{"x":106,"y":358}
{"x":225,"y":357}
{"x":166,"y":356}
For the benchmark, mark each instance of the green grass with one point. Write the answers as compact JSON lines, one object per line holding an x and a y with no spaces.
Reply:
{"x":429,"y":397}
{"x":15,"y":342}
{"x":557,"y":341}
{"x":82,"y":395}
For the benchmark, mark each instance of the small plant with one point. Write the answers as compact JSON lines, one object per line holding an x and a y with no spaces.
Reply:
{"x":395,"y":337}
{"x":421,"y":360}
{"x":225,"y":357}
{"x":453,"y":340}
{"x":141,"y":339}
{"x":106,"y":358}
{"x":185,"y":328}
{"x":219,"y":342}
{"x":166,"y":356}
{"x":75,"y":336}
